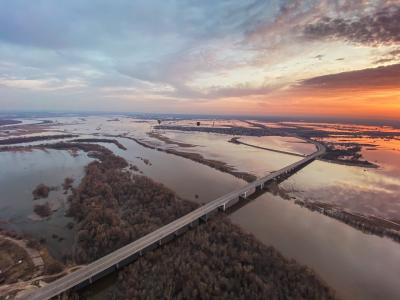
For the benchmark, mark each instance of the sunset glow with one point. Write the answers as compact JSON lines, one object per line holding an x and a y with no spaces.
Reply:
{"x":323,"y":58}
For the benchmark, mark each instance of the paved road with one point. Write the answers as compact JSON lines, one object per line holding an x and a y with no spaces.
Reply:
{"x":113,"y":260}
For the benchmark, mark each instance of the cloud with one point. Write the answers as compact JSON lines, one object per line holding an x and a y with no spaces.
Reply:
{"x":381,"y":77}
{"x":391,"y":57}
{"x":174,"y":51}
{"x":380,"y":28}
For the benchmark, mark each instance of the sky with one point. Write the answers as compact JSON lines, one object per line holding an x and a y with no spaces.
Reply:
{"x":249,"y":57}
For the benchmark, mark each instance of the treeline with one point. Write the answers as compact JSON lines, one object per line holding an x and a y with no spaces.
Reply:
{"x":29,"y":139}
{"x":42,"y":210}
{"x":9,"y":122}
{"x":106,"y":156}
{"x":96,"y":140}
{"x":338,"y":153}
{"x":41,"y":191}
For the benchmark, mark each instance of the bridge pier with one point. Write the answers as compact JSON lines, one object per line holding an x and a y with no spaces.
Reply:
{"x":204,"y":218}
{"x":222,"y":208}
{"x":260,"y":187}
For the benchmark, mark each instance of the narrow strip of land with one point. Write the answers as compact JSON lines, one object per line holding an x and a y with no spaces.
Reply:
{"x":236,"y":141}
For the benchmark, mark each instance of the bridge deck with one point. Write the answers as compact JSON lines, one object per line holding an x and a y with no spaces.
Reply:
{"x":116,"y":259}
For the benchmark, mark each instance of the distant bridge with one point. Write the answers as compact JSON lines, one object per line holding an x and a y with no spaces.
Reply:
{"x":127,"y":254}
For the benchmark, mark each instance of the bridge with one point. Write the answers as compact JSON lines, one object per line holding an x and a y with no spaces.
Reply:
{"x":130,"y":252}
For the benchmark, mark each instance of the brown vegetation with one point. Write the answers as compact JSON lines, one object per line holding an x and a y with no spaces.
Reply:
{"x":167,"y":140}
{"x":345,"y":153}
{"x":134,"y":168}
{"x":144,"y":160}
{"x":106,"y":156}
{"x":95,"y":140}
{"x":15,"y":263}
{"x":41,"y":191}
{"x":51,"y":265}
{"x":42,"y":210}
{"x":9,"y":122}
{"x":28,"y":139}
{"x":67,"y":184}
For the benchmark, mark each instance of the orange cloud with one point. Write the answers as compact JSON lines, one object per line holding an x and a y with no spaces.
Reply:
{"x":369,"y":93}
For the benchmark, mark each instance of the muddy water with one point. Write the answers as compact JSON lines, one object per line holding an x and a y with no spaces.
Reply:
{"x":356,"y":265}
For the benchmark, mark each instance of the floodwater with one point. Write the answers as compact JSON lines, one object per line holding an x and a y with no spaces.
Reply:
{"x":20,"y":173}
{"x":243,"y":158}
{"x":355,"y":264}
{"x":366,"y":191}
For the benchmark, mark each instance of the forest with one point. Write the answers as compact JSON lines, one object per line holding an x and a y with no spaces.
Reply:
{"x":29,"y":139}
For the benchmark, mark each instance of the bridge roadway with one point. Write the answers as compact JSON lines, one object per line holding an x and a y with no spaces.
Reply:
{"x":128,"y":253}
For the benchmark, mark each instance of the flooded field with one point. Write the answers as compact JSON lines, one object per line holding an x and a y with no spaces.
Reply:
{"x":20,"y":173}
{"x":216,"y":146}
{"x":370,"y":191}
